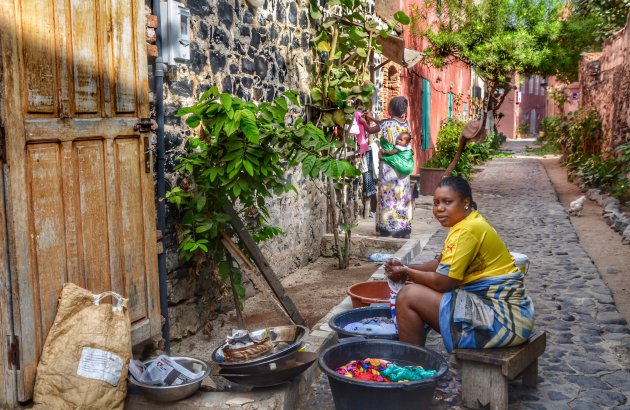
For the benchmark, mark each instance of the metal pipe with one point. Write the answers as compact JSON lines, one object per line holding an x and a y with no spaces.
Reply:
{"x":161,"y":206}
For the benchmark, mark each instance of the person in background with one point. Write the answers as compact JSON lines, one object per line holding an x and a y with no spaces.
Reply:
{"x":394,"y":198}
{"x":473,"y":293}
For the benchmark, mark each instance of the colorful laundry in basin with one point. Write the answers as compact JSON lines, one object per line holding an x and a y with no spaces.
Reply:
{"x":379,"y":370}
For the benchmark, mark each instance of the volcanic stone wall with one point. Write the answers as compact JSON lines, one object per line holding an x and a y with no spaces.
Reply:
{"x":256,"y":54}
{"x":605,"y":87}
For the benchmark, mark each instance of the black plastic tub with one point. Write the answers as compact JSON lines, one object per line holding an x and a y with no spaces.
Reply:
{"x":351,"y":394}
{"x":340,"y":320}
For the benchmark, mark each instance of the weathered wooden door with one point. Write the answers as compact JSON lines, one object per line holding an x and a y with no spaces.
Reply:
{"x":79,"y":190}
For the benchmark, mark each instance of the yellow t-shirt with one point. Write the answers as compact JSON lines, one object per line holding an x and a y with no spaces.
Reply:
{"x":474,"y":250}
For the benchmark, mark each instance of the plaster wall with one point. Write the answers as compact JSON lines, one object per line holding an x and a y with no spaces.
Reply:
{"x":454,"y":78}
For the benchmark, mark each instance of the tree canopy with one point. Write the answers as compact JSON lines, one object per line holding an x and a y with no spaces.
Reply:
{"x":604,"y":17}
{"x":498,"y":38}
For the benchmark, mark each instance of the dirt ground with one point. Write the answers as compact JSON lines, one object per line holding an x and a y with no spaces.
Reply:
{"x":600,"y":242}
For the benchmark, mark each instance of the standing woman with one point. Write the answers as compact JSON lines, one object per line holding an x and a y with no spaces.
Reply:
{"x":394,"y":198}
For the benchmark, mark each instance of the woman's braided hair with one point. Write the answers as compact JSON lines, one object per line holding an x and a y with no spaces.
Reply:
{"x":459,"y":185}
{"x":398,"y":106}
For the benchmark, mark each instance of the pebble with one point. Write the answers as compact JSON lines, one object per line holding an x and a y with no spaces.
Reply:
{"x":568,"y":318}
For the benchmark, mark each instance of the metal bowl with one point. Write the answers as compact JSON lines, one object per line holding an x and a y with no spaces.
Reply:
{"x":283,"y":370}
{"x":173,"y":393}
{"x":281,"y":349}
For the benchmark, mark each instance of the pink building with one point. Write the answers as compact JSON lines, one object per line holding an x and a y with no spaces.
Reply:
{"x":572,"y":94}
{"x":434,"y":95}
{"x":523,"y":108}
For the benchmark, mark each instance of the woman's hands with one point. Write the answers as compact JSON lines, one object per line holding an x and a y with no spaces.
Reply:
{"x":395,"y":270}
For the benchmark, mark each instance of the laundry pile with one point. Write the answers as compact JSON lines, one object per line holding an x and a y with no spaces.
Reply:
{"x":379,"y":370}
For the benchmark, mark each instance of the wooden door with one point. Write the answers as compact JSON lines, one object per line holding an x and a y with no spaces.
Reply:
{"x":80,"y":194}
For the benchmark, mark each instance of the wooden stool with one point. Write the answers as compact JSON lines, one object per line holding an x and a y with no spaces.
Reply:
{"x":486,"y":372}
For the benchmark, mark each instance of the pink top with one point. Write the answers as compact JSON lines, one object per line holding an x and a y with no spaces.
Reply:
{"x":361,"y":136}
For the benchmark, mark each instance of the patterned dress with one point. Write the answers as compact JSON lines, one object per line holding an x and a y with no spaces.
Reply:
{"x":394,"y":198}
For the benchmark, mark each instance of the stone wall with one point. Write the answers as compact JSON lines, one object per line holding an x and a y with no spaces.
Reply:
{"x":605,"y":87}
{"x":256,"y":55}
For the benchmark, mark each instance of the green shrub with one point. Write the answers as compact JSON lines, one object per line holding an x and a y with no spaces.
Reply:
{"x":446,"y":148}
{"x":579,"y":136}
{"x":495,"y":140}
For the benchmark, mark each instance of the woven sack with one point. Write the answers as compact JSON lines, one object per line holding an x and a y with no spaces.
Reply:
{"x":85,"y":359}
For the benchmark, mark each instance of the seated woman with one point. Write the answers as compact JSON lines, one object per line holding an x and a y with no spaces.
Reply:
{"x":473,"y":294}
{"x":398,"y":156}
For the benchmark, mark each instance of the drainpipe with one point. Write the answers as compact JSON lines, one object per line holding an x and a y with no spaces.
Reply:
{"x":161,"y":206}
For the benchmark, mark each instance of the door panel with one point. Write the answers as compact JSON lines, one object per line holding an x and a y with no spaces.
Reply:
{"x":124,"y":57}
{"x":85,"y":64}
{"x":80,"y":204}
{"x":47,"y":224}
{"x":128,"y":157}
{"x":37,"y":22}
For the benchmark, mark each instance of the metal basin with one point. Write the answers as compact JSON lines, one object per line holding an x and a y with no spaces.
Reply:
{"x":283,"y":346}
{"x":283,"y":370}
{"x":173,"y":393}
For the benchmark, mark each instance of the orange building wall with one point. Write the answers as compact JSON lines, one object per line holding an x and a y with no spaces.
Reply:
{"x":453,"y":78}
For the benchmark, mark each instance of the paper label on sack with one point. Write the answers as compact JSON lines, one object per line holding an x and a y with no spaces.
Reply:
{"x":100,"y":365}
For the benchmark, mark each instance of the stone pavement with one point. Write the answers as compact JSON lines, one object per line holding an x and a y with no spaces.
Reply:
{"x":587,"y":361}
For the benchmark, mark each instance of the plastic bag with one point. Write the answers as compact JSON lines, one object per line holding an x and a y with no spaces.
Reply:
{"x":164,"y":371}
{"x":85,"y":359}
{"x":354,"y":128}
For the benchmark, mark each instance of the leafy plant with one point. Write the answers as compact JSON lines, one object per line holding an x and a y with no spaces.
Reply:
{"x":495,"y":140}
{"x":578,"y":136}
{"x":446,"y":148}
{"x":240,"y":155}
{"x":347,"y":36}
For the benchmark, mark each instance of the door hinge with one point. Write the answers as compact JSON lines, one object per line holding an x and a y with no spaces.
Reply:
{"x":144,"y":125}
{"x":147,"y":155}
{"x":13,"y":352}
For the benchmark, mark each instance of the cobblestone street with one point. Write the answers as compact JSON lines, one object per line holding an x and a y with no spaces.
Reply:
{"x":586,"y":364}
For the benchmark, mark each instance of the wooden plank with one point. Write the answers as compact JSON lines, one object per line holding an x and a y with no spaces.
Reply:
{"x":7,"y":377}
{"x":482,"y":385}
{"x":93,"y":215}
{"x":123,"y":40}
{"x":63,"y":57}
{"x":38,"y":53}
{"x":105,"y":55}
{"x":132,"y":235}
{"x":46,"y":194}
{"x":13,"y":102}
{"x":85,"y":61}
{"x":57,"y":129}
{"x":512,"y":360}
{"x":262,"y":264}
{"x":69,"y":182}
{"x":535,"y":347}
{"x":114,"y":222}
